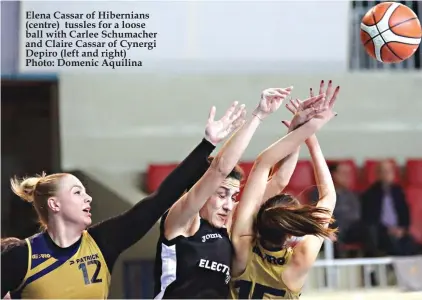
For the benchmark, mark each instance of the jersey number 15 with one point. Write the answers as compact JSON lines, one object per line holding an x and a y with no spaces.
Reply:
{"x":84,"y":269}
{"x":259,"y":290}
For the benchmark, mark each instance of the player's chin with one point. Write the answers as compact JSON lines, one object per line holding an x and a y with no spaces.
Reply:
{"x":219,"y":222}
{"x":87,"y":221}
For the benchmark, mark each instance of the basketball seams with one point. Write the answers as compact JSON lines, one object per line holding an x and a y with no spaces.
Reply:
{"x":393,"y":37}
{"x":373,"y":15}
{"x":376,"y":23}
{"x":402,"y":22}
{"x":385,"y":43}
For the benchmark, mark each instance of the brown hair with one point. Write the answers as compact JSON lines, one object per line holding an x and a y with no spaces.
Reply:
{"x":8,"y":243}
{"x":283,"y":215}
{"x":236,"y":173}
{"x":37,"y":190}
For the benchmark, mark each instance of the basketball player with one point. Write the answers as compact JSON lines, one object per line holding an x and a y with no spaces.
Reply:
{"x":68,"y":261}
{"x":196,"y":251}
{"x":263,"y":266}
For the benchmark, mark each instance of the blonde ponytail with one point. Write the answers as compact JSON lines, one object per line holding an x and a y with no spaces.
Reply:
{"x":37,"y":190}
{"x":25,"y":188}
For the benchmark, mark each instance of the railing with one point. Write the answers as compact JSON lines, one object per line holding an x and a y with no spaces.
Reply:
{"x":340,"y":274}
{"x":358,"y":58}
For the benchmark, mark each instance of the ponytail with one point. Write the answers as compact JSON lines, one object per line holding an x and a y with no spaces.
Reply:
{"x":283,"y":215}
{"x":37,"y":190}
{"x":25,"y":188}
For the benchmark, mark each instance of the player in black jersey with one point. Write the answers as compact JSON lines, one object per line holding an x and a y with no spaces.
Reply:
{"x":67,"y":261}
{"x":263,"y":265}
{"x":195,"y":249}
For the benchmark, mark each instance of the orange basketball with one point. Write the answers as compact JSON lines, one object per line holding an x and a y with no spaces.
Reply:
{"x":390,"y":32}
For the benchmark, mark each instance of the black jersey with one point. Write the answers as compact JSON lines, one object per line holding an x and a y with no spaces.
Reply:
{"x":194,"y":267}
{"x":114,"y":235}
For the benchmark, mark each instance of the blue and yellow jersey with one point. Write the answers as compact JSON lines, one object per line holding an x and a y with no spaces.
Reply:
{"x":79,"y":271}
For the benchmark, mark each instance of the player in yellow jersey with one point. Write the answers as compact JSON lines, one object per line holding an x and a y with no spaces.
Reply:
{"x":70,"y":258}
{"x":264,"y":266}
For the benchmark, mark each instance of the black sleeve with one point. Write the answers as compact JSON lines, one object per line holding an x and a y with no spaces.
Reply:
{"x":14,"y":264}
{"x":115,"y":235}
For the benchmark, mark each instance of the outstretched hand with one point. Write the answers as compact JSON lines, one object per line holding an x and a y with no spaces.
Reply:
{"x":216,"y":131}
{"x":320,"y":106}
{"x":305,"y":110}
{"x":330,"y":99}
{"x":271,"y":100}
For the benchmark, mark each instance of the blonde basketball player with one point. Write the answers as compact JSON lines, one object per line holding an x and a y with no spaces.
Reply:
{"x":263,"y":265}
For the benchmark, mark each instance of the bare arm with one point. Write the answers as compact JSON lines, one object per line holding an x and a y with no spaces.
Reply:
{"x":280,"y":179}
{"x":307,"y":250}
{"x":253,"y":194}
{"x":183,"y":212}
{"x":182,"y":216}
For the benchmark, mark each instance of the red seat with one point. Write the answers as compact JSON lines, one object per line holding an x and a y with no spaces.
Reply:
{"x":156,"y":174}
{"x":247,"y":168}
{"x":354,"y":181}
{"x":303,"y":176}
{"x":414,"y":172}
{"x":414,"y":198}
{"x":370,"y":171}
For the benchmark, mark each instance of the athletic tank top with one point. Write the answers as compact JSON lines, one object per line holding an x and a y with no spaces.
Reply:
{"x":262,"y":277}
{"x":194,"y":267}
{"x":78,"y":271}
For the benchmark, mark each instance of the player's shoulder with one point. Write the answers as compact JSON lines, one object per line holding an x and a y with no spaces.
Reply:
{"x":16,"y":250}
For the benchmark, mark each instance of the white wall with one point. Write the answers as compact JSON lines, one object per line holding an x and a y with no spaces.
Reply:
{"x":120,"y":123}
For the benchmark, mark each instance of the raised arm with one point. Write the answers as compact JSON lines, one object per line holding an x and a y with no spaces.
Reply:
{"x":283,"y":170}
{"x":118,"y":233}
{"x":281,"y":173}
{"x":307,"y":250}
{"x":256,"y":186}
{"x":185,"y":211}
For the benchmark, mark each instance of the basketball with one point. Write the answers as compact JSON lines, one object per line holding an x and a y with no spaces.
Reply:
{"x":390,"y":32}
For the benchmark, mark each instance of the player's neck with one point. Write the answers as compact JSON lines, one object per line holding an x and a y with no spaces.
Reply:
{"x":63,"y":235}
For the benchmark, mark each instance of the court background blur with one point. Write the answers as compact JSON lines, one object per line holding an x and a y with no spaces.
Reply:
{"x":107,"y":128}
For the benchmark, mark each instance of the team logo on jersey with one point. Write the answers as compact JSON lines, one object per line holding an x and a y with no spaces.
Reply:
{"x":215,"y":266}
{"x":211,"y":236}
{"x":41,"y":255}
{"x":85,"y":259}
{"x":269,"y":258}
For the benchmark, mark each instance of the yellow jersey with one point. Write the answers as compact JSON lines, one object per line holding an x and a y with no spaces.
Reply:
{"x":262,"y":277}
{"x":79,"y":271}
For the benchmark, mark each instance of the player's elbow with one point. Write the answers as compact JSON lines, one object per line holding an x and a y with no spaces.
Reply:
{"x":220,"y":167}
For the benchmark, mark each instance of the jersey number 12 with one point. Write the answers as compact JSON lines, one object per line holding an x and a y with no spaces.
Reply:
{"x":84,"y":269}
